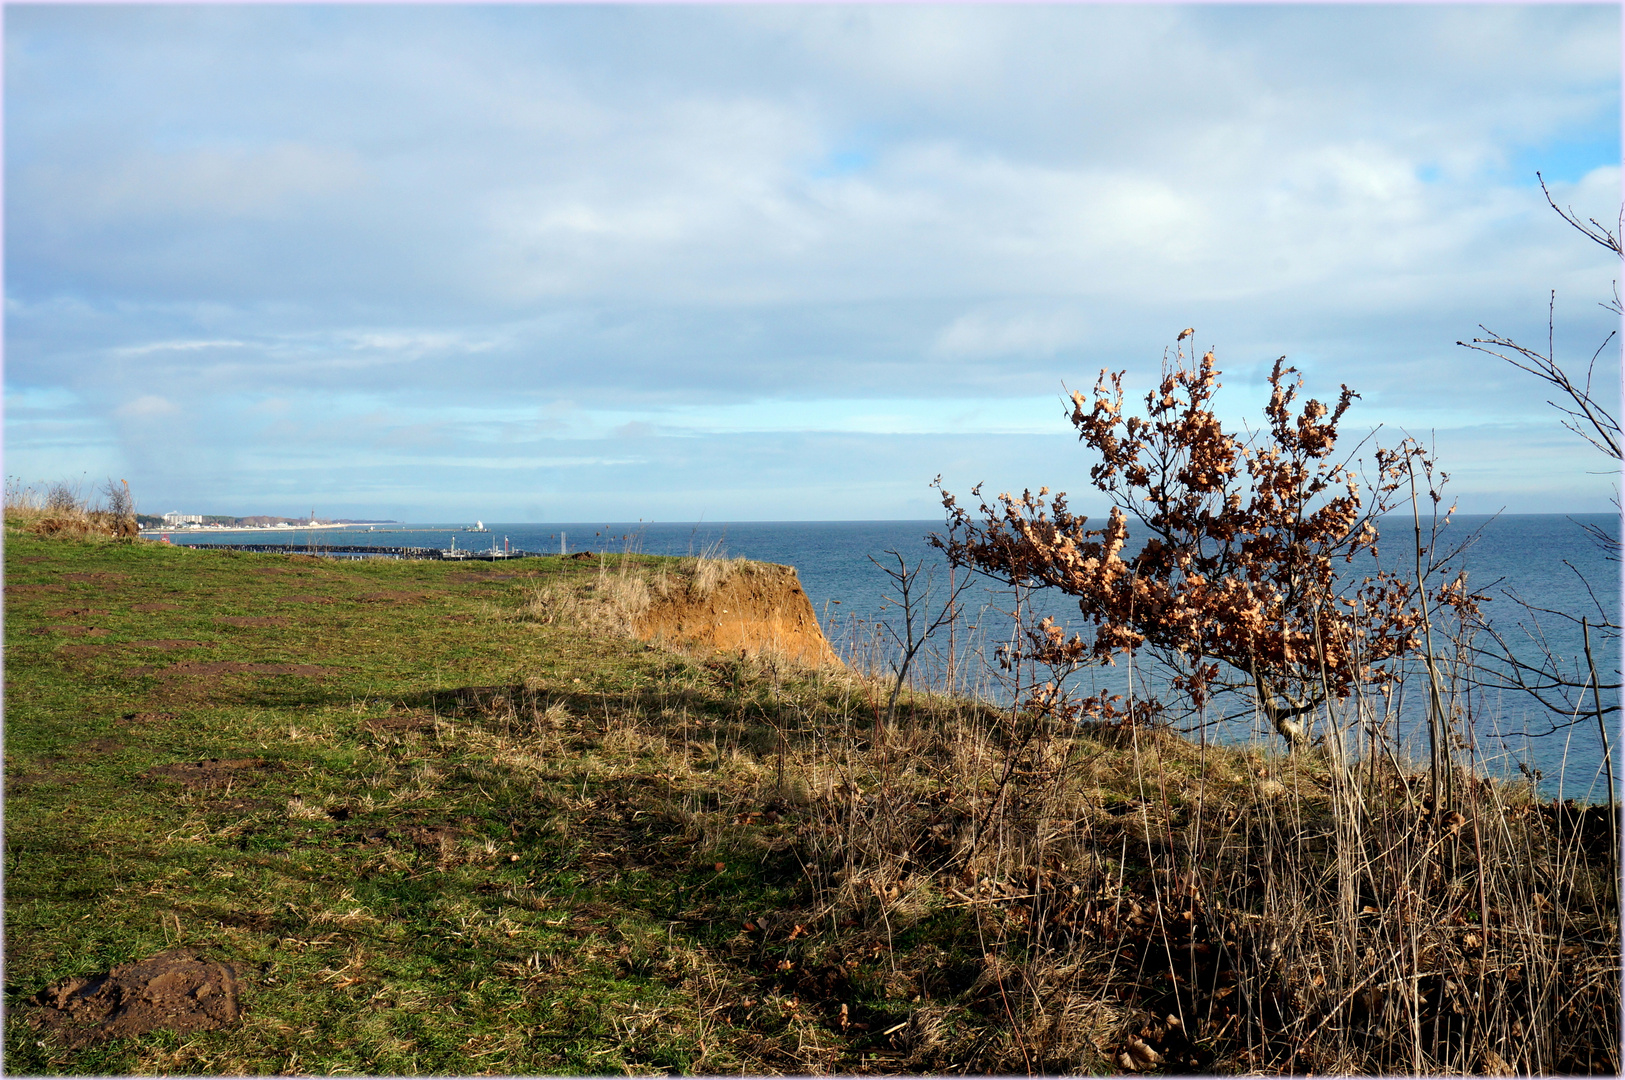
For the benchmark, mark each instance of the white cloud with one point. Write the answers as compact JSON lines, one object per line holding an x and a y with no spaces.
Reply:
{"x":175,"y":346}
{"x":228,"y":181}
{"x":148,"y":407}
{"x":978,"y":335}
{"x":712,"y":220}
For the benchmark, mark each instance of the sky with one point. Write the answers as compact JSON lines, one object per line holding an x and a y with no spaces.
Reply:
{"x":783,"y":262}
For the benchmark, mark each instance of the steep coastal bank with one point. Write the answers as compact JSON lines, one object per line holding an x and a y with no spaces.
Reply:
{"x":759,"y":608}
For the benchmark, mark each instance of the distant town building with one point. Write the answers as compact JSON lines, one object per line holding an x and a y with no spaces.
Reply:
{"x":173,"y":519}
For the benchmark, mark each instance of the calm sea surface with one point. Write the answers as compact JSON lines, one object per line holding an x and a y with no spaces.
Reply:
{"x":1548,"y":560}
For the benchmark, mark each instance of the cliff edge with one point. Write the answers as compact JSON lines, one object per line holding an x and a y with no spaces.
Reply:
{"x":752,"y":608}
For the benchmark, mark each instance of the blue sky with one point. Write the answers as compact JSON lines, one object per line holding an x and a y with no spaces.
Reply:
{"x":559,"y":263}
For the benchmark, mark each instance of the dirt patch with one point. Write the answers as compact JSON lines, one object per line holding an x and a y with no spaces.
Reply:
{"x":157,"y":606}
{"x":27,"y":589}
{"x":213,"y":772}
{"x":96,"y":575}
{"x":252,"y":620}
{"x":399,"y":724}
{"x":760,"y":608}
{"x":171,"y":643}
{"x":74,"y":612}
{"x":423,"y":836}
{"x":30,"y":558}
{"x":102,"y":746}
{"x":71,"y":631}
{"x":177,"y":991}
{"x":19,"y":782}
{"x":195,"y":668}
{"x":261,"y":922}
{"x":304,"y":599}
{"x":390,"y":597}
{"x":82,"y":650}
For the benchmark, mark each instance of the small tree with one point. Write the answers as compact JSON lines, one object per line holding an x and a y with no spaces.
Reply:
{"x":1235,"y":586}
{"x":120,"y":508}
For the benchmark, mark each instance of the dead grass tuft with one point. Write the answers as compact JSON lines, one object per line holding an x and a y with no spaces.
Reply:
{"x":61,"y":510}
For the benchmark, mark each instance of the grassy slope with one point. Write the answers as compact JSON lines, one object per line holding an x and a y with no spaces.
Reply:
{"x":618,"y":858}
{"x":413,"y":882}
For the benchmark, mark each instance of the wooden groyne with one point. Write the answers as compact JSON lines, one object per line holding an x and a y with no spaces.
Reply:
{"x":363,"y":551}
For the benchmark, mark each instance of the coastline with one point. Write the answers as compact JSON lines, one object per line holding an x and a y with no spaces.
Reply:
{"x":220,"y":530}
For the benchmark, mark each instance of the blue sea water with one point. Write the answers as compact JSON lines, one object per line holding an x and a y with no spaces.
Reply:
{"x":1549,"y":561}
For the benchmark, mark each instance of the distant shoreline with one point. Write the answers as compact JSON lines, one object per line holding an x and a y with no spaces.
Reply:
{"x":210,"y":530}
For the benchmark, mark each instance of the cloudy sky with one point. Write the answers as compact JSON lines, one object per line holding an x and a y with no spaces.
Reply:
{"x":562,"y":263}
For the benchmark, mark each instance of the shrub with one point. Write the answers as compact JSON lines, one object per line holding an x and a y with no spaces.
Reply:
{"x":1236,"y":586}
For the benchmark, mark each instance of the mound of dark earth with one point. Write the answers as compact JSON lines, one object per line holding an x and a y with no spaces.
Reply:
{"x":177,"y":990}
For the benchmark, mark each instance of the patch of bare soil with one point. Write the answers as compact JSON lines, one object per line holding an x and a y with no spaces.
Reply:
{"x":428,"y":837}
{"x":252,"y":620}
{"x":27,"y":589}
{"x":82,"y":650}
{"x":760,"y":608}
{"x":44,"y":773}
{"x":304,"y":599}
{"x":71,"y":631}
{"x":204,"y":668}
{"x":390,"y":596}
{"x":176,"y":990}
{"x":74,"y":612}
{"x":102,"y":746}
{"x":261,"y":922}
{"x":171,"y":643}
{"x":157,"y":606}
{"x":400,"y":723}
{"x":213,"y":772}
{"x":96,"y":575}
{"x":30,"y":558}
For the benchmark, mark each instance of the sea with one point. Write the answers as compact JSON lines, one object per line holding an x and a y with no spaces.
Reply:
{"x":1542,"y":574}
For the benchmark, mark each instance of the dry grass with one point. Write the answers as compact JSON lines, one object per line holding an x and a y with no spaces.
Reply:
{"x":62,"y":510}
{"x":1161,"y":907}
{"x":608,"y":857}
{"x":612,"y":601}
{"x":1120,"y":899}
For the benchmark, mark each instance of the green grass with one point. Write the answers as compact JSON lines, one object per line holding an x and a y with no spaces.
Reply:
{"x":413,"y":880}
{"x":440,"y":827}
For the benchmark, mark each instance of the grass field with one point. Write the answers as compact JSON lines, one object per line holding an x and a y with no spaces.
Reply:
{"x":437,"y":831}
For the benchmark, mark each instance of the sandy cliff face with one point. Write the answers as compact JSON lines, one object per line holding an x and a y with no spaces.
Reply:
{"x":759,"y":608}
